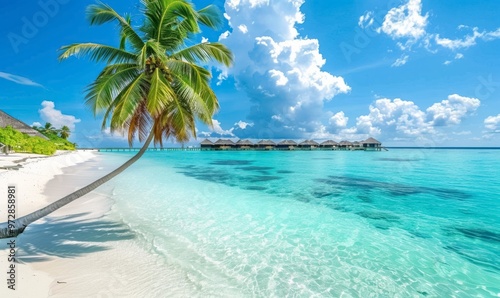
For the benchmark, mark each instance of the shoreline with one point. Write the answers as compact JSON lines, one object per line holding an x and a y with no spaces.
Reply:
{"x":41,"y":180}
{"x":83,"y":249}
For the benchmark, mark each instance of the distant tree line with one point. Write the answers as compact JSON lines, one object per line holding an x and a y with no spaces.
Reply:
{"x":48,"y":129}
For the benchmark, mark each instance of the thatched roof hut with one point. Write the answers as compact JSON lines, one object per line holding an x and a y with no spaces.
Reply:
{"x":371,"y":140}
{"x":328,"y":144}
{"x":244,"y":144}
{"x":345,"y":144}
{"x":371,"y":144}
{"x":206,"y":143}
{"x":267,"y":144}
{"x":8,"y":120}
{"x":308,"y":144}
{"x":224,"y":142}
{"x":287,"y":144}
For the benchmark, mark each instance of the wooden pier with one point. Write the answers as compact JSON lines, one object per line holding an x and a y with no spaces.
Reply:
{"x":137,"y":149}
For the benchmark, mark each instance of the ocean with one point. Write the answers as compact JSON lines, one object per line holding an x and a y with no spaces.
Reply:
{"x":402,"y":223}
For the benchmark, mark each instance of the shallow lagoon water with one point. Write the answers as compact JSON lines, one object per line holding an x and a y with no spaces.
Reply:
{"x":407,"y":222}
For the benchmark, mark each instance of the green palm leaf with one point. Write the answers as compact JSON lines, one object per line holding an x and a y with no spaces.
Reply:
{"x":101,"y":13}
{"x":97,"y":53}
{"x":210,"y":17}
{"x":206,"y":52}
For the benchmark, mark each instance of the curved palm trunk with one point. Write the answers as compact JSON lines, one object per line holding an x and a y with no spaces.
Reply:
{"x":23,"y":222}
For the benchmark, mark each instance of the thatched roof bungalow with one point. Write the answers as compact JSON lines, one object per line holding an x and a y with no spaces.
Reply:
{"x":266,"y":144}
{"x":345,"y":145}
{"x":286,"y":145}
{"x":206,"y":144}
{"x":310,"y":144}
{"x":371,"y":144}
{"x":328,"y":144}
{"x":244,"y":144}
{"x":222,"y":144}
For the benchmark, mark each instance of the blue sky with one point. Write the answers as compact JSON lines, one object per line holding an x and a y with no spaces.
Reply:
{"x":409,"y":72}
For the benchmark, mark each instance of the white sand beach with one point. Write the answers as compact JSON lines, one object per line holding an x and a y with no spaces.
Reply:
{"x":76,"y":251}
{"x":30,"y":173}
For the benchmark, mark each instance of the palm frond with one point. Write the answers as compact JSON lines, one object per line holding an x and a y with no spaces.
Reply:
{"x":97,"y":53}
{"x":101,"y":13}
{"x":123,"y":35}
{"x":126,"y":103}
{"x":109,"y":83}
{"x":160,"y":93}
{"x":206,"y":52}
{"x":177,"y":10}
{"x":193,"y":83}
{"x":170,"y":22}
{"x":210,"y":16}
{"x":139,"y":124}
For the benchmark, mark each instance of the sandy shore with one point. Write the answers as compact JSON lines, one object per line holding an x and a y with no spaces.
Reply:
{"x":40,"y":180}
{"x":82,"y":249}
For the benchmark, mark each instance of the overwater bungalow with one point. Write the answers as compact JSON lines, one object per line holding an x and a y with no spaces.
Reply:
{"x":329,"y":145}
{"x":244,"y":145}
{"x":286,"y":145}
{"x":222,"y":144}
{"x":356,"y":146}
{"x":206,"y":144}
{"x":371,"y":144}
{"x":266,"y":144}
{"x":345,"y":145}
{"x":308,"y":144}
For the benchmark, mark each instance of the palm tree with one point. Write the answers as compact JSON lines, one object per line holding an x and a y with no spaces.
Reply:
{"x":64,"y":132}
{"x":48,"y":129}
{"x":152,"y":86}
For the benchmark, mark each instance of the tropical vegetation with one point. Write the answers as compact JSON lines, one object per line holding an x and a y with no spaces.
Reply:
{"x":153,"y":85}
{"x":20,"y":142}
{"x":57,"y":136}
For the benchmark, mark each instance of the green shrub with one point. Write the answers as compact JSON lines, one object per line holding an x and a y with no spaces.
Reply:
{"x":61,"y":144}
{"x":20,"y":142}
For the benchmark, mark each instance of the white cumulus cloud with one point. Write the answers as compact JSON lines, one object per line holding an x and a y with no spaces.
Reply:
{"x":405,"y":21}
{"x":49,"y":113}
{"x":243,"y":124}
{"x":451,"y":111}
{"x":492,"y":123}
{"x":403,"y":118}
{"x":217,"y":129}
{"x":339,"y":120}
{"x":279,"y":70}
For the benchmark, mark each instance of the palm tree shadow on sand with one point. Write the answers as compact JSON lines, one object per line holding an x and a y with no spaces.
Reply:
{"x":68,"y":237}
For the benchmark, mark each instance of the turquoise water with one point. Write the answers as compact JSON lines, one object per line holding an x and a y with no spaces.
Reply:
{"x":403,"y":223}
